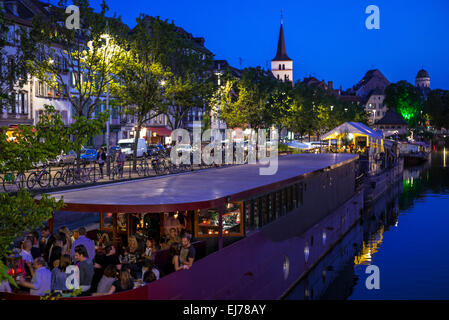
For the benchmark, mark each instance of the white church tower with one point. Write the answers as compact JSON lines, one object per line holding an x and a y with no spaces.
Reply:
{"x":282,"y":65}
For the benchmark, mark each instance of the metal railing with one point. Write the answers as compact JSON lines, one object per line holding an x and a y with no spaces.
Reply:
{"x":52,"y":177}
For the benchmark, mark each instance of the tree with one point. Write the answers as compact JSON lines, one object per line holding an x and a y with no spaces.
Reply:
{"x":437,"y":108}
{"x":189,"y":83}
{"x":20,"y":213}
{"x":405,"y":99}
{"x":252,"y":100}
{"x":140,"y":82}
{"x":78,"y":64}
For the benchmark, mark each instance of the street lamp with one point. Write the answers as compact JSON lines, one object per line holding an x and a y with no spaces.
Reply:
{"x":374,"y":116}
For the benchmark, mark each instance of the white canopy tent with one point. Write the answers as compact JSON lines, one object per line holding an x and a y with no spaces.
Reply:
{"x":354,"y":129}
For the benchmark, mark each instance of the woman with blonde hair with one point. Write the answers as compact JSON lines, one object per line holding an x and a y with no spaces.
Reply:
{"x":68,"y":237}
{"x":124,"y":282}
{"x":133,"y":255}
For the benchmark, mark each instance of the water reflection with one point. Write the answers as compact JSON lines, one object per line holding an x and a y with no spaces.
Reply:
{"x":403,"y":233}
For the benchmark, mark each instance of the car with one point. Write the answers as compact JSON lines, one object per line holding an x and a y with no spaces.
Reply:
{"x":127,"y":147}
{"x":64,"y":158}
{"x":89,"y":155}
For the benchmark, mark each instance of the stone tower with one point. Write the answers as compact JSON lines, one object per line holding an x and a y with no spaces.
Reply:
{"x":422,"y":79}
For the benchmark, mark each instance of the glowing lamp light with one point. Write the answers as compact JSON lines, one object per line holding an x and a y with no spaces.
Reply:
{"x":15,"y":264}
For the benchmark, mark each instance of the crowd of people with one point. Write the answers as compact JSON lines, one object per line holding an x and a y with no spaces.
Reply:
{"x":58,"y":264}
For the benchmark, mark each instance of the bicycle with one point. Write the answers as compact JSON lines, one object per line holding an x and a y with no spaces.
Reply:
{"x":59,"y":177}
{"x":143,"y":168}
{"x":10,"y":181}
{"x":41,"y":177}
{"x":82,"y":175}
{"x":117,"y":171}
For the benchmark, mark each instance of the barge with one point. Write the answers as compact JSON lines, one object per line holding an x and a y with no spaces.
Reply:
{"x":256,"y":236}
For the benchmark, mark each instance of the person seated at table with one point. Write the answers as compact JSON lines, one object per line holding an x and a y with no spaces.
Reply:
{"x":149,"y":265}
{"x":173,"y":237}
{"x":85,"y":266}
{"x":172,"y":222}
{"x":150,"y":249}
{"x":187,"y":252}
{"x":132,"y":251}
{"x":99,"y":265}
{"x":56,"y":251}
{"x":149,"y":277}
{"x":108,"y":278}
{"x":41,"y":281}
{"x":58,"y":274}
{"x":124,"y":282}
{"x":111,"y":257}
{"x":175,"y":264}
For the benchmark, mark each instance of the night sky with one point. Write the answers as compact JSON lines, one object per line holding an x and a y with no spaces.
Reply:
{"x":326,"y":39}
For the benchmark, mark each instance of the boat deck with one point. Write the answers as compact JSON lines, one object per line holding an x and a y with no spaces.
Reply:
{"x":195,"y":190}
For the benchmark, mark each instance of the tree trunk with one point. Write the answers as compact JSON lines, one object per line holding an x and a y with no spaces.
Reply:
{"x":136,"y":140}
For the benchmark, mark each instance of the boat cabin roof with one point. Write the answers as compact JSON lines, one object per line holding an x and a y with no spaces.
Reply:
{"x":200,"y":189}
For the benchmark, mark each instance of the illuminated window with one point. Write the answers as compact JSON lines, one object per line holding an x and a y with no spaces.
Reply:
{"x":208,"y":221}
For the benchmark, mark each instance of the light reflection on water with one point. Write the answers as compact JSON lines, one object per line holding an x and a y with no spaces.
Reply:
{"x":404,"y":234}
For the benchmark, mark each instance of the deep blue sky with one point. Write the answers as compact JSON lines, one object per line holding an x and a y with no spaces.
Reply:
{"x":326,"y":39}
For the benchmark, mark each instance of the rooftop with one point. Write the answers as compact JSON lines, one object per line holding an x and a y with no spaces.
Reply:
{"x":392,"y":117}
{"x":195,"y":190}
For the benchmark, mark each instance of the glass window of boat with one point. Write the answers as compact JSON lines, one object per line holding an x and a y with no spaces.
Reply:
{"x":208,"y":222}
{"x":106,"y":221}
{"x":232,"y":219}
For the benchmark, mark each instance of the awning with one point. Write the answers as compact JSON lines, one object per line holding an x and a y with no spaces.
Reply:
{"x":160,"y":131}
{"x":354,"y":128}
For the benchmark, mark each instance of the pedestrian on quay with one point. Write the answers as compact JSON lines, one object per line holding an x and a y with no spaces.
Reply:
{"x":120,"y":160}
{"x":101,"y":159}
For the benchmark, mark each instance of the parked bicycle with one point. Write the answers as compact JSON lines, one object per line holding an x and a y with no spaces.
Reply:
{"x":13,"y":182}
{"x":41,"y":177}
{"x":84,"y":174}
{"x":143,"y":168}
{"x":59,"y":177}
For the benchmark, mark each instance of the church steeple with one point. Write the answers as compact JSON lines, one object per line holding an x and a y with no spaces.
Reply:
{"x":282,"y":65}
{"x":281,"y":54}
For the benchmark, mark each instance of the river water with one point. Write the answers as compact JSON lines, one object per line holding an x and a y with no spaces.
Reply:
{"x":405,"y":234}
